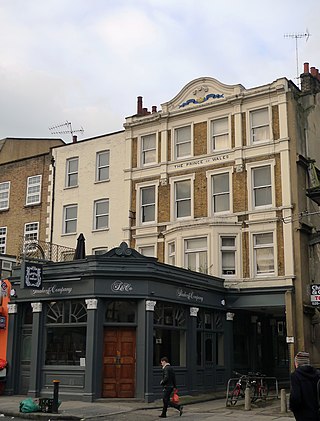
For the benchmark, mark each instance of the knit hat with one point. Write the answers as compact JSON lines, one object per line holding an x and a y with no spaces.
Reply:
{"x":302,"y":358}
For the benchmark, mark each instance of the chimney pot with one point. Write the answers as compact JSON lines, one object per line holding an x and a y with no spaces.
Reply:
{"x":154,"y":108}
{"x":139,"y":105}
{"x":74,"y":139}
{"x":306,"y":68}
{"x":313,"y":71}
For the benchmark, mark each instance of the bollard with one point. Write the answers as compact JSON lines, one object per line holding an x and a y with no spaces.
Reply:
{"x":247,"y":399}
{"x":55,"y":401}
{"x":283,"y":401}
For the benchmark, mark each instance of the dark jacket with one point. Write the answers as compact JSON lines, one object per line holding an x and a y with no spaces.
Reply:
{"x":168,"y":377}
{"x":303,"y":394}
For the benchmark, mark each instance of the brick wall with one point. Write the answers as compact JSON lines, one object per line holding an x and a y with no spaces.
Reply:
{"x":200,"y":138}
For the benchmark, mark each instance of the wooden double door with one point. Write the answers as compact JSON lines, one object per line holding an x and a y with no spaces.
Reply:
{"x":119,"y":363}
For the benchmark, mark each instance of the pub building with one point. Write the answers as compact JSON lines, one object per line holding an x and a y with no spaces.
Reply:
{"x":100,"y":325}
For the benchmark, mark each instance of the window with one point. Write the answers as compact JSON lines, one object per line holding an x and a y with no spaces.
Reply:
{"x":210,"y":338}
{"x":169,"y":333}
{"x":172,"y":253}
{"x":70,"y":215}
{"x":99,"y":251}
{"x":183,"y":199}
{"x":102,"y":166}
{"x":72,"y":172}
{"x":148,"y":205}
{"x":262,"y":186}
{"x":66,"y":332}
{"x":33,"y":190}
{"x":263,"y":253}
{"x":121,"y":312}
{"x":228,"y":255}
{"x":182,"y":141}
{"x":148,"y":149}
{"x":3,"y":239}
{"x":147,"y":251}
{"x":4,"y":195}
{"x":195,"y":251}
{"x":31,"y":236}
{"x":220,"y":134}
{"x":220,"y":193}
{"x":259,"y":120}
{"x":101,"y":214}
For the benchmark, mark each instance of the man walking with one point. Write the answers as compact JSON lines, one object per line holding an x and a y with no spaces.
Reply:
{"x":303,"y":394}
{"x":169,"y":383}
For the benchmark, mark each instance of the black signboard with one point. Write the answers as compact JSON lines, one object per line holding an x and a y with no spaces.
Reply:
{"x":32,"y":275}
{"x":3,"y":321}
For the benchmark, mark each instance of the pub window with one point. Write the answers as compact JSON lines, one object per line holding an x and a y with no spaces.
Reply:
{"x":121,"y":312}
{"x":65,"y":332}
{"x":169,"y":334}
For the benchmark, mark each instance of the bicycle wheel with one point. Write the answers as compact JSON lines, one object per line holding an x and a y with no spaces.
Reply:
{"x":254,"y":392}
{"x":234,"y":396}
{"x":263,"y":392}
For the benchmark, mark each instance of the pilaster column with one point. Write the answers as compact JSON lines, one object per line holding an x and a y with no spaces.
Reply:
{"x":12,"y":344}
{"x":36,"y":348}
{"x":149,"y":395}
{"x":91,"y":348}
{"x":192,"y":349}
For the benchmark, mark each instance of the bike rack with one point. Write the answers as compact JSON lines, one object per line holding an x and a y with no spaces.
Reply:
{"x":273,"y":392}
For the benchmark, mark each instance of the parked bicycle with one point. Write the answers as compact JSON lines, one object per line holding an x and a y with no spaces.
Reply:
{"x":254,"y":381}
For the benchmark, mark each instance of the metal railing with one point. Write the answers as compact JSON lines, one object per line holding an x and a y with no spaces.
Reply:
{"x":41,"y":250}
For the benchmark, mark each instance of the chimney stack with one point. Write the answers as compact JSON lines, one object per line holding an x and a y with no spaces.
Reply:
{"x":139,"y":105}
{"x":154,"y":108}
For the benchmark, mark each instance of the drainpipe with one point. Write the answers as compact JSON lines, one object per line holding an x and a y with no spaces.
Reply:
{"x":53,"y":164}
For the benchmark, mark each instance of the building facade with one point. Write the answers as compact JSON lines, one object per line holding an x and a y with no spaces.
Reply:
{"x":88,"y":194}
{"x":219,"y":179}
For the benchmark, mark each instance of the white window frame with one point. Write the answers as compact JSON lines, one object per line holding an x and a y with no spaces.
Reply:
{"x":226,"y":133}
{"x":210,"y":175}
{"x":139,"y":212}
{"x":250,"y":167}
{"x":31,"y":235}
{"x":99,"y":179}
{"x":147,"y":246}
{"x":3,"y":239}
{"x":196,"y":252}
{"x":33,"y":190}
{"x":144,"y":151}
{"x":70,"y":173}
{"x":229,"y":249}
{"x":268,"y":126}
{"x":99,"y":250}
{"x":102,"y":215}
{"x":4,"y":195}
{"x":255,"y":247}
{"x":173,"y":182}
{"x":172,"y":253}
{"x":176,"y":156}
{"x":65,"y":221}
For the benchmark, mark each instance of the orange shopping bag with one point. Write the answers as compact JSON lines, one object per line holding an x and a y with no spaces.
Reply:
{"x":175,"y":396}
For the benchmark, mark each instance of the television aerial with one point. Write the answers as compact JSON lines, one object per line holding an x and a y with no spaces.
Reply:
{"x":64,"y":128}
{"x":297,"y":36}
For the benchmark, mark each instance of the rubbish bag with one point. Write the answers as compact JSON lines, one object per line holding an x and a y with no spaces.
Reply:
{"x":175,"y":396}
{"x":29,"y":405}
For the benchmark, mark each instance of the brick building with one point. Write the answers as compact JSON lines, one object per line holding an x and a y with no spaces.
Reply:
{"x":24,"y":174}
{"x":219,"y":179}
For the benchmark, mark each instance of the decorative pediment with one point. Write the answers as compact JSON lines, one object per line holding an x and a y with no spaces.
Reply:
{"x":201,"y":91}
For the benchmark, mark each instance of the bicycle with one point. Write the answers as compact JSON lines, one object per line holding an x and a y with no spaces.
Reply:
{"x":239,"y":390}
{"x":260,"y":389}
{"x":253,"y":381}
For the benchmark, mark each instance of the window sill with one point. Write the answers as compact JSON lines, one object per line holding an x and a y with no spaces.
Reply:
{"x":67,"y":234}
{"x":100,"y":230}
{"x":71,"y":187}
{"x":102,"y":181}
{"x":30,"y":205}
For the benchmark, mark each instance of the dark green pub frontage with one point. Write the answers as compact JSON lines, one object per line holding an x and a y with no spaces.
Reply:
{"x":100,"y":325}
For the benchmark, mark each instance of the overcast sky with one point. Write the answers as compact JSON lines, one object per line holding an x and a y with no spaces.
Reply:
{"x":86,"y":61}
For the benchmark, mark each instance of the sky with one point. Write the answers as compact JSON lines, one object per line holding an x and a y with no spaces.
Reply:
{"x":86,"y":61}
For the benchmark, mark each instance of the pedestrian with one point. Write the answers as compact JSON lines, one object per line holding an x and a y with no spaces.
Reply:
{"x":303,"y":394}
{"x":169,"y":383}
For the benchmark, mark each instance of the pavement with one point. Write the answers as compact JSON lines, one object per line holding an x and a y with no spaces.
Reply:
{"x":104,"y":408}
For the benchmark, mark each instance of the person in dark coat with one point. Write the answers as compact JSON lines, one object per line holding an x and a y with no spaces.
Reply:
{"x":303,"y":400}
{"x":169,"y":383}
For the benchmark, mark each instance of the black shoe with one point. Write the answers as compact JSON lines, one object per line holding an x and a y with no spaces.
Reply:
{"x":162,"y":416}
{"x":181,"y":410}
